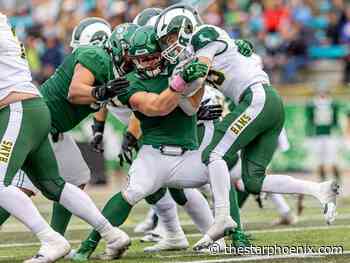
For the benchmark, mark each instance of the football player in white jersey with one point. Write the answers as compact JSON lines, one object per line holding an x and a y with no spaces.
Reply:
{"x":25,"y":125}
{"x":252,"y":127}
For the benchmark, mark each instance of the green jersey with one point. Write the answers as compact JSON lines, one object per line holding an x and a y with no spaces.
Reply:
{"x":322,"y":116}
{"x":64,"y":114}
{"x":176,"y":128}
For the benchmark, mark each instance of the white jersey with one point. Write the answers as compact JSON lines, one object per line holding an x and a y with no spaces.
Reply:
{"x":15,"y":75}
{"x":231,"y":72}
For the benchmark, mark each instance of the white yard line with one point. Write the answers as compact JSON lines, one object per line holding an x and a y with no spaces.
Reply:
{"x":260,"y":257}
{"x":296,"y":229}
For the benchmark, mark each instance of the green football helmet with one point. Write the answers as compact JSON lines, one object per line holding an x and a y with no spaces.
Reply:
{"x":118,"y":45}
{"x":145,"y":52}
{"x":174,"y":28}
{"x":90,"y":31}
{"x":144,"y":17}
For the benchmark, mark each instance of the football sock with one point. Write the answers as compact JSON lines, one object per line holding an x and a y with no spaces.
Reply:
{"x":166,"y":210}
{"x":4,"y":215}
{"x":79,"y":203}
{"x":219,"y":177}
{"x":116,"y":211}
{"x":60,"y":218}
{"x":234,"y":208}
{"x":198,"y":209}
{"x":280,"y":204}
{"x":20,"y":206}
{"x":284,"y":184}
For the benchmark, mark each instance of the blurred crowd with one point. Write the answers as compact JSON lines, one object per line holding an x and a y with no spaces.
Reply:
{"x":289,"y":34}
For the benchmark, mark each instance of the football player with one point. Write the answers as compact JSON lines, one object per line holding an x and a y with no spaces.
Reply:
{"x":252,"y":127}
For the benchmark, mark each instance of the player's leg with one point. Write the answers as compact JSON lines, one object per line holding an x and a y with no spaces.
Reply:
{"x":144,"y":180}
{"x":165,"y":207}
{"x":46,"y":178}
{"x":195,"y":205}
{"x":74,"y":170}
{"x":20,"y":133}
{"x":237,"y":130}
{"x":256,"y":157}
{"x":21,"y":181}
{"x":286,"y":215}
{"x":148,"y":223}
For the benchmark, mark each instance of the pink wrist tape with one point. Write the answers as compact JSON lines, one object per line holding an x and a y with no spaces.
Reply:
{"x":178,"y":84}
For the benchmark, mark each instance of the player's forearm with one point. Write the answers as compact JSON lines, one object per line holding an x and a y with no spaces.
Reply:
{"x":134,"y":126}
{"x":153,"y":104}
{"x":80,"y":93}
{"x":101,"y":115}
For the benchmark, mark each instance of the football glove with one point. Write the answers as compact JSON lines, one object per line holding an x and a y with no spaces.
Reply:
{"x":128,"y":144}
{"x":113,"y":88}
{"x":245,"y":47}
{"x":97,"y":132}
{"x":209,"y":112}
{"x":194,"y":70}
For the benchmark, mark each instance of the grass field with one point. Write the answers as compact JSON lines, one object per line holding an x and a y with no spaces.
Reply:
{"x":17,"y":244}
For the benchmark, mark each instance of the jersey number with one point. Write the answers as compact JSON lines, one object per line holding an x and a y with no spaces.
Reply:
{"x":215,"y":78}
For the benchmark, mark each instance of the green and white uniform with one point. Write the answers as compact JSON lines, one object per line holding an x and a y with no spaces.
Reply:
{"x":257,"y":120}
{"x":322,"y":119}
{"x":177,"y":130}
{"x":66,"y":116}
{"x":25,"y":125}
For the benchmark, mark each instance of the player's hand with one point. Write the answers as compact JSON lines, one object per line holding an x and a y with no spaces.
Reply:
{"x":194,"y":70}
{"x":113,"y":88}
{"x":129,"y":143}
{"x":245,"y":47}
{"x":97,"y":132}
{"x":209,"y":112}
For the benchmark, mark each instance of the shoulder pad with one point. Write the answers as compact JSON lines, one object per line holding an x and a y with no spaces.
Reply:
{"x":203,"y":36}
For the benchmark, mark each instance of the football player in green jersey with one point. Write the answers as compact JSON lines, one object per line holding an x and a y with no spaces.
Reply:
{"x":25,"y":144}
{"x":169,"y":136}
{"x":252,"y":127}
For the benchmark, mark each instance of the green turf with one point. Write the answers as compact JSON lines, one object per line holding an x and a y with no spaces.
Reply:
{"x":257,"y":221}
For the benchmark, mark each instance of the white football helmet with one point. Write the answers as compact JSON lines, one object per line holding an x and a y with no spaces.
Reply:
{"x":174,"y":28}
{"x":90,"y":31}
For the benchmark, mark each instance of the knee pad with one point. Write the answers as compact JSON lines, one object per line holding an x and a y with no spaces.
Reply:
{"x":154,"y":198}
{"x":178,"y":195}
{"x":51,"y":188}
{"x":253,"y":177}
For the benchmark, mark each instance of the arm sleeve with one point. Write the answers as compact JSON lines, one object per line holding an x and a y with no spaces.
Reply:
{"x":211,"y":49}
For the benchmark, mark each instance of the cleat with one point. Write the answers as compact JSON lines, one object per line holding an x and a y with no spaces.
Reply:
{"x":169,"y":244}
{"x":151,"y":237}
{"x":51,"y":251}
{"x":118,"y":242}
{"x":286,"y":220}
{"x":216,"y":231}
{"x":85,"y":251}
{"x":328,"y":195}
{"x":214,"y":248}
